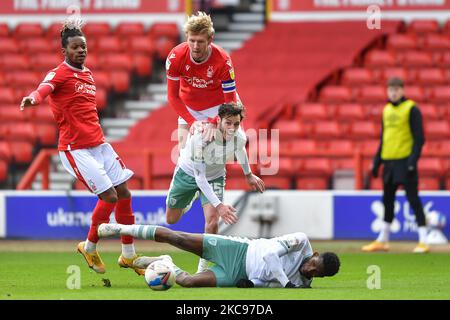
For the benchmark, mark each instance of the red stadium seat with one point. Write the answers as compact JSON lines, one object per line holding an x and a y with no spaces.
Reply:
{"x":5,"y":151}
{"x":376,"y":183}
{"x":369,"y":146}
{"x":313,"y":111}
{"x":97,"y":29}
{"x":446,"y":28}
{"x":437,"y":130}
{"x":142,"y":65}
{"x":54,"y":30}
{"x":28,"y":30}
{"x":23,"y":79}
{"x":282,"y":166}
{"x":9,"y":45}
{"x":338,"y":147}
{"x":47,"y":133}
{"x":4,"y":30}
{"x":436,"y":42}
{"x":431,"y":77}
{"x":397,"y":72}
{"x":44,"y":62}
{"x":236,"y":183}
{"x":135,"y":183}
{"x":19,"y":132}
{"x":439,"y":94}
{"x":350,"y":111}
{"x":380,"y":58}
{"x":142,"y":44}
{"x":416,"y":59}
{"x":22,"y":151}
{"x":3,"y":170}
{"x":357,"y":76}
{"x":372,"y":94}
{"x":274,"y":182}
{"x":43,"y":114}
{"x":120,"y":81}
{"x":423,"y":26}
{"x":290,"y":129}
{"x":431,"y":167}
{"x":101,"y":98}
{"x":299,"y":147}
{"x":109,"y":45}
{"x":315,"y":167}
{"x":163,"y":47}
{"x":415,"y":93}
{"x":167,"y":30}
{"x":443,"y":61}
{"x":429,"y":111}
{"x":102,"y":80}
{"x":7,"y":95}
{"x":11,"y":113}
{"x":12,"y":62}
{"x":402,"y":42}
{"x":36,"y":45}
{"x":335,"y":94}
{"x":126,"y":29}
{"x":429,"y":183}
{"x":364,"y":130}
{"x":116,"y":62}
{"x":327,"y":130}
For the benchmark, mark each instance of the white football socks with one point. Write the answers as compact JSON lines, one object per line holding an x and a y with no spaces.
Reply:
{"x":384,"y":233}
{"x":128,"y":251}
{"x":423,"y":234}
{"x":202,"y":265}
{"x":90,"y":246}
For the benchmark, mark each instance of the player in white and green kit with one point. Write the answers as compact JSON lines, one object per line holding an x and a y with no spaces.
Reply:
{"x":287,"y":261}
{"x":201,"y":170}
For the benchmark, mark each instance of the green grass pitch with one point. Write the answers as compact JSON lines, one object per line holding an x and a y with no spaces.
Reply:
{"x":43,"y":275}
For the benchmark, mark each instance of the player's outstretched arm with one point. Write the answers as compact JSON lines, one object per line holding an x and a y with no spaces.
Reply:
{"x":36,"y":96}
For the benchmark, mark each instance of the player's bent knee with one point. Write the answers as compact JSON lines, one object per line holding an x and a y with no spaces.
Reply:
{"x":173,"y":215}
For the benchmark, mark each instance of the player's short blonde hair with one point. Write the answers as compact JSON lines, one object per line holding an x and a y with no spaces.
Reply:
{"x":199,"y":23}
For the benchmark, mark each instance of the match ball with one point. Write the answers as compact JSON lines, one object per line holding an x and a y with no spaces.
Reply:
{"x":160,"y":275}
{"x":436,"y":220}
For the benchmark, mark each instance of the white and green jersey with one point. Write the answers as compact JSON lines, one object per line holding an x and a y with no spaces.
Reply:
{"x":205,"y":161}
{"x":273,"y":262}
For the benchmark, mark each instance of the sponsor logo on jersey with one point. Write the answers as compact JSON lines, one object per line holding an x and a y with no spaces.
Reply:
{"x":210,"y":72}
{"x":85,"y":88}
{"x":199,"y":83}
{"x":49,"y":76}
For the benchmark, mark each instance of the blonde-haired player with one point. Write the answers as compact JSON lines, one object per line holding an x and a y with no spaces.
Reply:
{"x":200,"y":78}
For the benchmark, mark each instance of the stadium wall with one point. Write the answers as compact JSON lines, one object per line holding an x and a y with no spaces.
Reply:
{"x":321,"y":215}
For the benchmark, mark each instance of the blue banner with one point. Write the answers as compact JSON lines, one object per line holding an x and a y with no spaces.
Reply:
{"x":69,"y":217}
{"x":361,"y":216}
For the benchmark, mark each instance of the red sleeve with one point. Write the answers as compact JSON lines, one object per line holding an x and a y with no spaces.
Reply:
{"x":173,"y":95}
{"x":41,"y":93}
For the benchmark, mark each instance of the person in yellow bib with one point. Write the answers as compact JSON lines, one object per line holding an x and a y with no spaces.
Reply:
{"x":401,"y":143}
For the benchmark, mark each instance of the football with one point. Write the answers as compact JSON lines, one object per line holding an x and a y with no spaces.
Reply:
{"x":160,"y":275}
{"x":436,"y":220}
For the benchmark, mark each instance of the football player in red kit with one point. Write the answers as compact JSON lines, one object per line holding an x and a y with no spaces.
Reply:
{"x":82,"y":147}
{"x":200,"y":76}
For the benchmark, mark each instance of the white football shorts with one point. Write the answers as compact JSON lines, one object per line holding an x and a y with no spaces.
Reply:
{"x":99,"y":168}
{"x":201,"y":115}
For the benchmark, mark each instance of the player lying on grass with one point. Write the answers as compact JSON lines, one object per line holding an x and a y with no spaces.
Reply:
{"x":287,"y":261}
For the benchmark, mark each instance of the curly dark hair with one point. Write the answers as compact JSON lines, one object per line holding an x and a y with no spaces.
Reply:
{"x":71,"y":28}
{"x":331,"y":263}
{"x":231,"y":109}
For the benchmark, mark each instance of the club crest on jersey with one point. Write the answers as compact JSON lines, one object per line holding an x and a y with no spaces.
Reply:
{"x":172,"y":201}
{"x":210,"y":72}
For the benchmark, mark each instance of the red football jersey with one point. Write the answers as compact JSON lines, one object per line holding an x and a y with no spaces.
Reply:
{"x":202,"y":85}
{"x":74,"y":107}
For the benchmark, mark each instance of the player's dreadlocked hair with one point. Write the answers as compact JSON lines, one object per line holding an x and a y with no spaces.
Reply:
{"x":231,"y":109}
{"x":71,"y":28}
{"x":331,"y":263}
